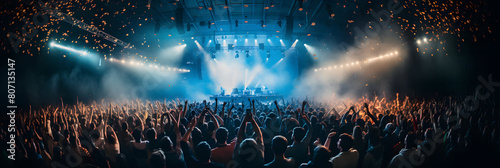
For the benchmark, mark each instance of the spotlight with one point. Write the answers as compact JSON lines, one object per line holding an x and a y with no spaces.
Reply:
{"x":111,"y":59}
{"x":123,"y":61}
{"x":418,"y":42}
{"x":396,"y":53}
{"x":357,"y":62}
{"x":425,"y":39}
{"x":305,"y":45}
{"x":52,"y":44}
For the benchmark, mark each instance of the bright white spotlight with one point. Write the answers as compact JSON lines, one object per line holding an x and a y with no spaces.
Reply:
{"x":123,"y":61}
{"x":305,"y":45}
{"x":418,"y":42}
{"x":396,"y":53}
{"x":52,"y":44}
{"x":111,"y":59}
{"x":357,"y":62}
{"x":425,"y":39}
{"x":392,"y":54}
{"x":180,"y":48}
{"x":268,"y":39}
{"x":282,"y":43}
{"x":294,"y":43}
{"x":296,"y":39}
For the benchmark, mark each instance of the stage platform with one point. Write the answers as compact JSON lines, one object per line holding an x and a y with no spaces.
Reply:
{"x":246,"y":97}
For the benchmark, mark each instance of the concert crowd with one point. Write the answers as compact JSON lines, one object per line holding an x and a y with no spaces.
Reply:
{"x":361,"y":133}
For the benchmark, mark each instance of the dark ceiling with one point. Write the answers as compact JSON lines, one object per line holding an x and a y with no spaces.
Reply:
{"x":254,"y":16}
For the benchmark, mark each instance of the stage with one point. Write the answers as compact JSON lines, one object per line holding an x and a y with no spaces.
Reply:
{"x":238,"y":98}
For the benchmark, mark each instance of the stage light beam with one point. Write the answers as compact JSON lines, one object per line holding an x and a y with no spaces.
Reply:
{"x":84,"y":53}
{"x":294,"y":43}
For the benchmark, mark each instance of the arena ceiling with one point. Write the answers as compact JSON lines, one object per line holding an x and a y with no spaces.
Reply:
{"x":237,"y":17}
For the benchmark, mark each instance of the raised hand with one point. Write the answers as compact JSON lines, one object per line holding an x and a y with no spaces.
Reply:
{"x":192,"y":123}
{"x":331,"y":134}
{"x":317,"y":142}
